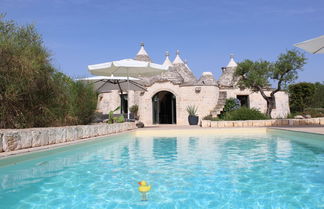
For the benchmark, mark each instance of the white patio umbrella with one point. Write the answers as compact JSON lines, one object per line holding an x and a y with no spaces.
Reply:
{"x":314,"y":46}
{"x":104,"y":84}
{"x":128,"y":68}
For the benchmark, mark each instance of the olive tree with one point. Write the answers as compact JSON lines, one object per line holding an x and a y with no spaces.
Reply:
{"x":256,"y":75}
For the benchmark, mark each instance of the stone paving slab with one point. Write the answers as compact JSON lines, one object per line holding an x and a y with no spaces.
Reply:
{"x":316,"y":130}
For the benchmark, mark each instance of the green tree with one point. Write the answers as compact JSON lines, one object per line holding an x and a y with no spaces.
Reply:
{"x":301,"y":96}
{"x":32,"y":92}
{"x":84,"y":102}
{"x":318,"y":97}
{"x":257,"y":75}
{"x":26,"y":87}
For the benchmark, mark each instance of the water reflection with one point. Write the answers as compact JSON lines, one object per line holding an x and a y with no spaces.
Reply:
{"x":165,"y":148}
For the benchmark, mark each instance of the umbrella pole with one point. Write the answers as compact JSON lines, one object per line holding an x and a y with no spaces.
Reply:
{"x":120,"y":89}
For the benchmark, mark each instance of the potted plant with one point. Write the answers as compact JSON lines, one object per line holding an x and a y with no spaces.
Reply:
{"x":192,"y":111}
{"x":134,"y":109}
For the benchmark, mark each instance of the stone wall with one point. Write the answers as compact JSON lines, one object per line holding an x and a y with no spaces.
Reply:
{"x":263,"y":123}
{"x":17,"y":139}
{"x":205,"y":100}
{"x":258,"y":102}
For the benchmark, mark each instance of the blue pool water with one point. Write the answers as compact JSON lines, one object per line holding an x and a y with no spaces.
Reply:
{"x":271,"y":170}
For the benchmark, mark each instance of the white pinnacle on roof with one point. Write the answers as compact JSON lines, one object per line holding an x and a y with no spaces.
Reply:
{"x":207,"y":73}
{"x":232,"y":63}
{"x":167,"y":61}
{"x":177,"y":59}
{"x":142,"y":50}
{"x":142,"y":55}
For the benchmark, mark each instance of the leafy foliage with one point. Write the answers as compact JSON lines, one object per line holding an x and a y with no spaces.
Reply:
{"x":300,"y":96}
{"x":32,"y":92}
{"x":231,"y":104}
{"x":257,"y":75}
{"x":134,"y":109}
{"x":253,"y":74}
{"x":120,"y":119}
{"x":111,"y":118}
{"x":245,"y":113}
{"x":313,"y":112}
{"x":318,"y":97}
{"x":192,"y":110}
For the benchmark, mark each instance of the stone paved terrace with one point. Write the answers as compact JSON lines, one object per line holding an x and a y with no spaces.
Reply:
{"x":316,"y":130}
{"x":307,"y":129}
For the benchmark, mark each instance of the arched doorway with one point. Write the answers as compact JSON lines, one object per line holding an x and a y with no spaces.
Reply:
{"x":164,"y":108}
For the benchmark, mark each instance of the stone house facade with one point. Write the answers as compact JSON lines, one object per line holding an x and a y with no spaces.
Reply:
{"x":167,"y":95}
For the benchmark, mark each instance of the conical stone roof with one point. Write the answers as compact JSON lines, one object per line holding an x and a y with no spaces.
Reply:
{"x":142,"y":55}
{"x":232,"y":62}
{"x":207,"y":79}
{"x":183,"y":70}
{"x":170,"y":75}
{"x":227,"y":79}
{"x":167,"y":61}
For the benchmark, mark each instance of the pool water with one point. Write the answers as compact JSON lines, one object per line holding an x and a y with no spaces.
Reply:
{"x":275,"y":169}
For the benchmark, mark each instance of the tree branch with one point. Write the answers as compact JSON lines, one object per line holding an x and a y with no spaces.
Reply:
{"x":261,"y":92}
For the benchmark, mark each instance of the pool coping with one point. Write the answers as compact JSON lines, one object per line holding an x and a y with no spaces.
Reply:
{"x":319,"y":130}
{"x":4,"y":155}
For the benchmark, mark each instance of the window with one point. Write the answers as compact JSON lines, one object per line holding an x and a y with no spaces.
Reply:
{"x":244,"y":99}
{"x":123,"y":104}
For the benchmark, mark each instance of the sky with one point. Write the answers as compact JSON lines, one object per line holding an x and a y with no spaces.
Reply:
{"x":83,"y":32}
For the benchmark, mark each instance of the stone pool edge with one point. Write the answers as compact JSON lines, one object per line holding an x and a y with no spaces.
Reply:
{"x":19,"y":141}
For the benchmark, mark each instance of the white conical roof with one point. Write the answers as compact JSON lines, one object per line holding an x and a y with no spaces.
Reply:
{"x":177,"y":59}
{"x":186,"y":64}
{"x":232,"y":62}
{"x":142,"y":55}
{"x":167,"y":62}
{"x":207,"y":73}
{"x":142,"y":50}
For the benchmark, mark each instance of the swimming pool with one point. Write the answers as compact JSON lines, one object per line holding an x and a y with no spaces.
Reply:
{"x":186,"y":168}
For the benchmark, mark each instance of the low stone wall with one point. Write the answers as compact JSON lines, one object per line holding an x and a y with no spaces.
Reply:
{"x":263,"y":123}
{"x":17,"y":139}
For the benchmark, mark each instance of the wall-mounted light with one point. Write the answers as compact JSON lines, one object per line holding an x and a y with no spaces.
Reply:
{"x":197,"y":89}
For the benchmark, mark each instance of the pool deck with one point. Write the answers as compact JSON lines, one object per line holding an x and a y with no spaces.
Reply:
{"x":307,"y":129}
{"x":314,"y":130}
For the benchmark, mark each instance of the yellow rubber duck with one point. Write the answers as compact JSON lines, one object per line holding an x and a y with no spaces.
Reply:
{"x":144,"y":188}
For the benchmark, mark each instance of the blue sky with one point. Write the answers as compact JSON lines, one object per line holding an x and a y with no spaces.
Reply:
{"x":83,"y":32}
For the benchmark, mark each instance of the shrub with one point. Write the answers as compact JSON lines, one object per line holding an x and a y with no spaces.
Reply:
{"x":210,"y":117}
{"x":207,"y":117}
{"x":134,"y":109}
{"x":245,"y":113}
{"x":231,"y":104}
{"x":84,"y":102}
{"x":120,"y":119}
{"x":111,"y":118}
{"x":318,"y":97}
{"x":313,"y":112}
{"x":300,"y":96}
{"x":192,"y":110}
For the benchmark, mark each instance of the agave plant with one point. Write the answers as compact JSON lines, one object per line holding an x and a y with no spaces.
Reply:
{"x":110,"y":115}
{"x":192,"y":110}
